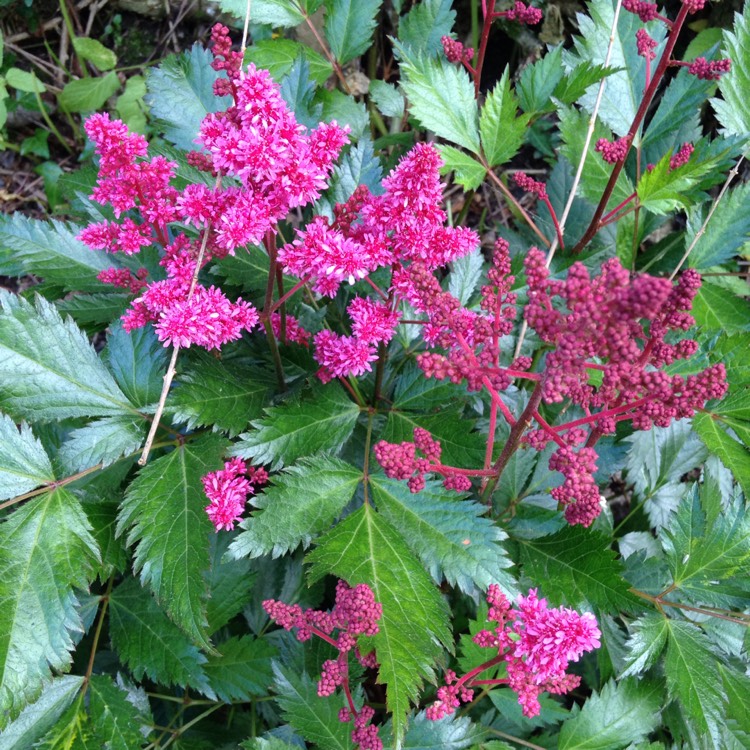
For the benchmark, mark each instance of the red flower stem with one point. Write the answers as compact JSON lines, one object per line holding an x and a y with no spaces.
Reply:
{"x":498,"y":681}
{"x":404,"y":321}
{"x":499,"y":659}
{"x":535,"y":376}
{"x":279,"y":302}
{"x":446,"y":470}
{"x":611,"y":213}
{"x":548,"y":429}
{"x":488,"y":9}
{"x":324,"y":637}
{"x":630,"y":210}
{"x":504,"y":410}
{"x":558,"y":229}
{"x":661,"y":68}
{"x":376,"y":288}
{"x":594,"y":366}
{"x":347,"y":692}
{"x":607,"y":413}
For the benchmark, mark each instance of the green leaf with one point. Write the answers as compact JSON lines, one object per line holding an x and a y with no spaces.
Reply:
{"x":358,"y":166}
{"x":164,"y":513}
{"x":450,"y":733}
{"x":465,"y":274}
{"x":95,"y":309}
{"x":24,"y":81}
{"x":596,"y":171}
{"x":101,"y":441}
{"x":733,"y":109}
{"x":648,"y":636}
{"x":302,"y":502}
{"x":88,"y":94}
{"x":284,"y":13}
{"x":448,"y":533}
{"x":277,"y":56}
{"x":24,"y":464}
{"x":501,"y":130}
{"x":180,"y":92}
{"x":538,"y":81}
{"x":657,"y":461}
{"x":576,"y":565}
{"x":115,"y":720}
{"x":150,"y":643}
{"x":388,"y":99}
{"x":93,"y":51}
{"x":39,"y":717}
{"x":130,"y":105}
{"x":422,"y":28}
{"x":692,"y":678}
{"x":365,"y":548}
{"x":46,"y":550}
{"x":441,"y":97}
{"x":415,"y":391}
{"x":349,"y":26}
{"x":298,"y":91}
{"x":467,"y":171}
{"x":267,"y":743}
{"x":50,"y":249}
{"x":622,"y":713}
{"x":715,"y":310}
{"x":315,"y":718}
{"x":102,"y":515}
{"x":704,"y":552}
{"x":138,"y":360}
{"x":728,"y":230}
{"x":574,"y":84}
{"x":48,"y":368}
{"x":241,"y":669}
{"x":662,"y":189}
{"x":346,"y":110}
{"x":320,"y":422}
{"x":230,"y":583}
{"x":462,"y":445}
{"x":216,"y":393}
{"x":677,"y":117}
{"x":624,"y":90}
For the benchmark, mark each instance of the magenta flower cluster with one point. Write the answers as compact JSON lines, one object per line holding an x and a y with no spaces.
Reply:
{"x":534,"y":643}
{"x":229,"y":489}
{"x":355,"y":614}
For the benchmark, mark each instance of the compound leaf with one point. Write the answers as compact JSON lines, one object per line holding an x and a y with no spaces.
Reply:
{"x":349,"y":25}
{"x":318,"y":423}
{"x":48,"y":368}
{"x":733,"y":109}
{"x":448,"y":533}
{"x":150,"y":643}
{"x":501,"y":129}
{"x":646,"y":642}
{"x":216,"y":393}
{"x":24,"y":463}
{"x":115,"y":720}
{"x":365,"y":548}
{"x":622,"y":713}
{"x":693,"y":678}
{"x":302,"y":502}
{"x":164,"y":514}
{"x":46,"y":550}
{"x":241,"y":669}
{"x":315,"y":718}
{"x":577,"y":565}
{"x":441,"y":97}
{"x":51,"y":250}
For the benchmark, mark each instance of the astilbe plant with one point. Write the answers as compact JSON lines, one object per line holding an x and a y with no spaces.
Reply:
{"x":305,"y":347}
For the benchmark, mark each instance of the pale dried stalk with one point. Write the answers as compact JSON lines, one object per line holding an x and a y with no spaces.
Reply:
{"x":169,"y":376}
{"x":581,"y":162}
{"x":732,"y":174}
